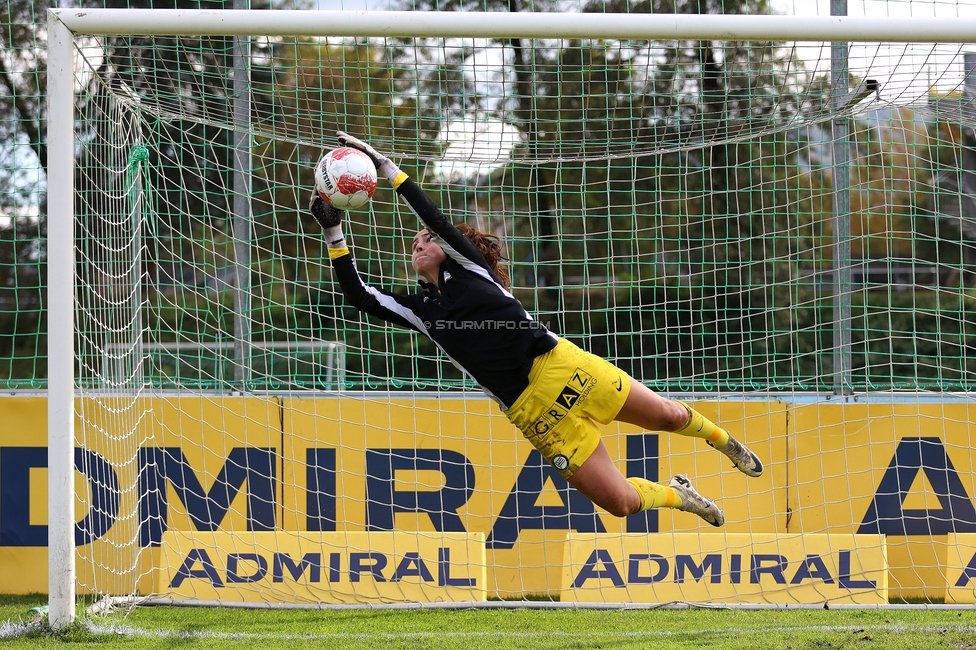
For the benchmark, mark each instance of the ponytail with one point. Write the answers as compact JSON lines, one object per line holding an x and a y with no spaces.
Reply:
{"x":491,"y":249}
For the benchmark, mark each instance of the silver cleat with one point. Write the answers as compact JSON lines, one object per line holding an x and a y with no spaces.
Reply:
{"x":745,"y":461}
{"x":695,"y":503}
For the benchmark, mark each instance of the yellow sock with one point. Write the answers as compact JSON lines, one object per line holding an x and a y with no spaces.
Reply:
{"x":654,"y":495}
{"x":701,"y":427}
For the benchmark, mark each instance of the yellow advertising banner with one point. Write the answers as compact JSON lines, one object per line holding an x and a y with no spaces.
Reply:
{"x":454,"y":464}
{"x":906,"y":470}
{"x":23,"y":511}
{"x":726,"y":568}
{"x":330,"y":568}
{"x":141,"y":466}
{"x":960,"y":573}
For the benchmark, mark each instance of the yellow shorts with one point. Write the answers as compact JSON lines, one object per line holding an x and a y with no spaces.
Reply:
{"x":569,"y":391}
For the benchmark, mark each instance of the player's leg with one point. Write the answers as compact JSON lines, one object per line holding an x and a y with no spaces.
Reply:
{"x":648,"y":410}
{"x":569,"y":391}
{"x":599,"y":480}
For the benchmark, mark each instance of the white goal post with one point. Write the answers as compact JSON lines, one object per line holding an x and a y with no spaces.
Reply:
{"x":523,"y":25}
{"x":64,"y":25}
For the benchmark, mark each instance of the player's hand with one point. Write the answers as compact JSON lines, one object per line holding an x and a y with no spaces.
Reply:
{"x":347,"y":140}
{"x":324,"y":214}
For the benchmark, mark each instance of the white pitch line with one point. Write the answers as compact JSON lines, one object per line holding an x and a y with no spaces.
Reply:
{"x":12,"y":630}
{"x":125,"y":630}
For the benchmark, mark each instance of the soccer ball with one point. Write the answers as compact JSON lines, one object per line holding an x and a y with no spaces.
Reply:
{"x":345,"y":178}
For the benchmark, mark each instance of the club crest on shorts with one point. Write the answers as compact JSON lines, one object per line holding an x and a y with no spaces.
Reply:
{"x":560,"y":462}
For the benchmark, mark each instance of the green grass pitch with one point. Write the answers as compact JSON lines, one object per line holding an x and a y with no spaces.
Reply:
{"x":498,"y":629}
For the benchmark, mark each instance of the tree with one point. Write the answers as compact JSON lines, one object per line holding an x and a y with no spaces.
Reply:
{"x":22,"y":77}
{"x":23,"y":159}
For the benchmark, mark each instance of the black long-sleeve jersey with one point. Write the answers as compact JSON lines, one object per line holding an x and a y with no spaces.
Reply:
{"x":472,"y":318}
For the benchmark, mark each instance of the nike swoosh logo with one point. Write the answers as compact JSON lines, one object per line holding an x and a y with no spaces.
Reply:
{"x":620,"y":384}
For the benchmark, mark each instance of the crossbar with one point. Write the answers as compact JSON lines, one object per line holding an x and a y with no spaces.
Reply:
{"x":516,"y":25}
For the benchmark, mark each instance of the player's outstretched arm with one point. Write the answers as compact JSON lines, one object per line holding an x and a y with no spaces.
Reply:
{"x":457,"y":245}
{"x":376,"y":302}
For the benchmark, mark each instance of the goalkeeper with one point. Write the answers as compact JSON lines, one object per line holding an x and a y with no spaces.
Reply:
{"x":554,"y":392}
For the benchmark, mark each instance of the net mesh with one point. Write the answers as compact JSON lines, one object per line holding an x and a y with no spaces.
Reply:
{"x":685,"y":232}
{"x":670,"y":206}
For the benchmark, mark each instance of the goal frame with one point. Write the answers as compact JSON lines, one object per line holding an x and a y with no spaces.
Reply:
{"x":64,"y":24}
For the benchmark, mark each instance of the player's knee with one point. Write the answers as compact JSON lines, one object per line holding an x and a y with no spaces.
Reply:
{"x":673,"y":416}
{"x":618,"y":509}
{"x":621,"y":505}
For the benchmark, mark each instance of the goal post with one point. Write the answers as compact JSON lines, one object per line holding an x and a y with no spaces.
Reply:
{"x":600,"y":180}
{"x":61,"y":307}
{"x":420,"y":24}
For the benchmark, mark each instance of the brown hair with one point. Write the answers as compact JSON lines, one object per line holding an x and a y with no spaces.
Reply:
{"x":491,"y":249}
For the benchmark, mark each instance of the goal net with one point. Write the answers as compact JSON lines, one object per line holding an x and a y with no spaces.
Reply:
{"x":779,"y":230}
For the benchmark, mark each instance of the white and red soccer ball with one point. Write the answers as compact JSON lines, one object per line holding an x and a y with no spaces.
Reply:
{"x":345,"y":178}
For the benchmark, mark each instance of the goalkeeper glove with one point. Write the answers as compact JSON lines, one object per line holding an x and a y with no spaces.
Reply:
{"x":383,"y":164}
{"x":329,"y":218}
{"x":326,"y":215}
{"x":347,"y":140}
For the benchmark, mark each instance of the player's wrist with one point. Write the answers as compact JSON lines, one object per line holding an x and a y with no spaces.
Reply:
{"x":390,"y":171}
{"x":334,"y":237}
